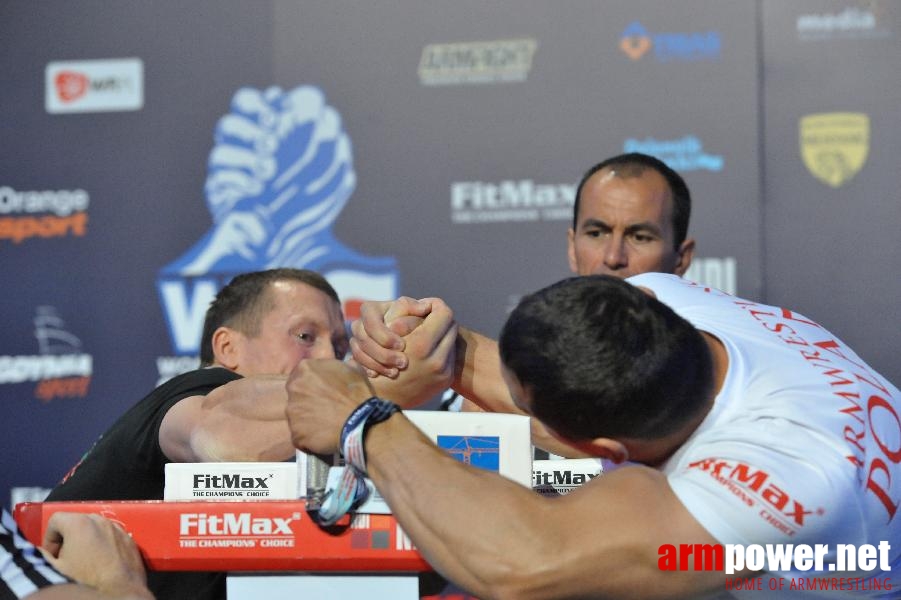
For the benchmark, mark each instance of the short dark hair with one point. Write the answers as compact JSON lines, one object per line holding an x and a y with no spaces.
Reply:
{"x":245,"y":300}
{"x":634,"y":164}
{"x":601,"y":358}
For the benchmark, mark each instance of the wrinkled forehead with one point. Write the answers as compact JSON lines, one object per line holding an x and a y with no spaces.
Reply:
{"x":627,"y":170}
{"x":292,"y":296}
{"x":633,"y":174}
{"x":645,"y":191}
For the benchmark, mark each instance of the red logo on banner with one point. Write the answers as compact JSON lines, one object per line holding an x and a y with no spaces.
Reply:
{"x":71,"y":86}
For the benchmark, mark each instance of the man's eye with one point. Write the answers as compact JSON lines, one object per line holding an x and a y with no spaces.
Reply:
{"x":643,"y":238}
{"x":306,"y":338}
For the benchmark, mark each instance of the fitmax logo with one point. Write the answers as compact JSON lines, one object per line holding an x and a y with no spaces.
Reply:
{"x":229,"y":482}
{"x":755,"y":480}
{"x":561,"y":478}
{"x":233,"y":524}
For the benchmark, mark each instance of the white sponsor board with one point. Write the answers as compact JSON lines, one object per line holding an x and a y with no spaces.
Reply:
{"x":106,"y":85}
{"x":561,"y":476}
{"x":504,"y":437}
{"x":231,"y":481}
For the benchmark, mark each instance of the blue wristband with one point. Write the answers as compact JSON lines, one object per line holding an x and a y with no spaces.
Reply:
{"x":352,"y":490}
{"x":372,"y":411}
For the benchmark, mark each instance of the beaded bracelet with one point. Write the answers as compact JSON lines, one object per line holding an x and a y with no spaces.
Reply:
{"x":373,"y":411}
{"x":352,"y":490}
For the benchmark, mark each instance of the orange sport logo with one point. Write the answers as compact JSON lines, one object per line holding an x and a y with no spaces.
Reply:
{"x":26,"y":215}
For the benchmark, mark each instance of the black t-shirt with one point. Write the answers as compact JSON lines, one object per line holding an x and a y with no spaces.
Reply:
{"x":126,"y":463}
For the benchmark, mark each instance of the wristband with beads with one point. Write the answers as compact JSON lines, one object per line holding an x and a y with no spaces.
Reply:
{"x":352,"y":490}
{"x":373,"y":411}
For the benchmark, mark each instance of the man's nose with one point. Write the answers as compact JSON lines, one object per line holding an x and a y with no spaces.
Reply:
{"x":615,"y":254}
{"x":323,"y":349}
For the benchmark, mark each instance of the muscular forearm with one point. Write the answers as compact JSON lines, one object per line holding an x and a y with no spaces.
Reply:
{"x":457,"y":534}
{"x":497,"y":539}
{"x":477,"y":373}
{"x":494,"y":537}
{"x":245,"y":422}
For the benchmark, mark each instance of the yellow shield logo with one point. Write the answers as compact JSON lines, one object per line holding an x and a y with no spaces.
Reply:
{"x":835,"y":146}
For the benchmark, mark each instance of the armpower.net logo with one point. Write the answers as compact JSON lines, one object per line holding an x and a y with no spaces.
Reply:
{"x":793,"y":567}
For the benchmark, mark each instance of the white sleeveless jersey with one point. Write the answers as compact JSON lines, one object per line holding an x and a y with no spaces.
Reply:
{"x":802,"y":445}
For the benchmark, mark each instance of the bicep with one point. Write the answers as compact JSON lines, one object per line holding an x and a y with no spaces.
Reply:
{"x":612,"y":533}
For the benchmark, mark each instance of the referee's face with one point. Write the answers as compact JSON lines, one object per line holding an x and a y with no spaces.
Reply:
{"x":625,"y":227}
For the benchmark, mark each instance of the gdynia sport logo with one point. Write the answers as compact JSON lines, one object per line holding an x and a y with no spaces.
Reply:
{"x":788,"y":566}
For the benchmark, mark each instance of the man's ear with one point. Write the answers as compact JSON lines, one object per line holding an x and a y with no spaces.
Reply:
{"x":226,"y":348}
{"x":610,"y":449}
{"x":571,"y":249}
{"x":613,"y":450}
{"x":684,"y":255}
